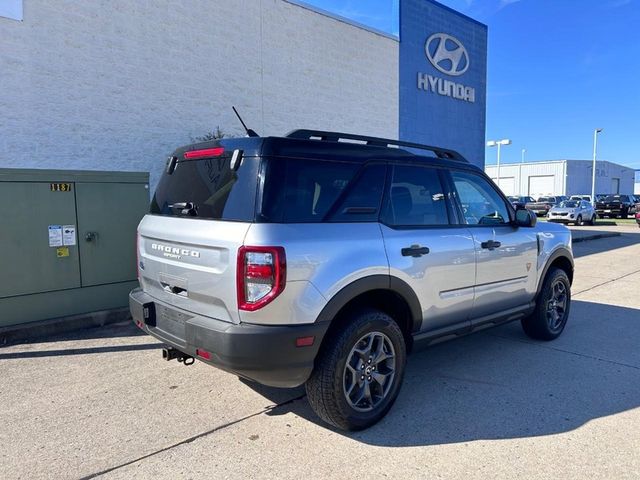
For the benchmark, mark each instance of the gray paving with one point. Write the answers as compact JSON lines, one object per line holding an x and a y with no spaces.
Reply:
{"x":492,"y":405}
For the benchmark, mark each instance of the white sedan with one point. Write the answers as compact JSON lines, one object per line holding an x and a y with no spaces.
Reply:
{"x":578,"y":212}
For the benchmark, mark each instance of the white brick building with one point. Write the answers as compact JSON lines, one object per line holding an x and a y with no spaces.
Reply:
{"x":118,"y":85}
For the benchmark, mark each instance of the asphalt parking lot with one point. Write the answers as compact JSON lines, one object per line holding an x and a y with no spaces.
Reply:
{"x":103,"y":403}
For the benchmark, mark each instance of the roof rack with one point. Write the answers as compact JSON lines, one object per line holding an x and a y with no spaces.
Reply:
{"x":372,"y":141}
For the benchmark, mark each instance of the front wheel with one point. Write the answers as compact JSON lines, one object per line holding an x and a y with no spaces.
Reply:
{"x":579,"y":221}
{"x":552,"y":307}
{"x":358,"y":372}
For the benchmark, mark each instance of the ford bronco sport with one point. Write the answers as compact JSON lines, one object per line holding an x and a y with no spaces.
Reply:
{"x":324,"y":258}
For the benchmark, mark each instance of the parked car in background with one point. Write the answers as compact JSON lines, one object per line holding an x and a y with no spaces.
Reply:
{"x":616,"y":206}
{"x":578,"y":212}
{"x":520,"y":200}
{"x":638,"y":218}
{"x":543,"y":205}
{"x":586,"y":198}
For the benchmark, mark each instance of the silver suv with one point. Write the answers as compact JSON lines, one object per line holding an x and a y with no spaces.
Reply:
{"x":323,"y":259}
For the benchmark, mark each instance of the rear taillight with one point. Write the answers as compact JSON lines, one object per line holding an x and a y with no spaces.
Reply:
{"x":261,"y":276}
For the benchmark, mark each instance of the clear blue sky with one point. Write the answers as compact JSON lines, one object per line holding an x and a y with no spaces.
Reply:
{"x":557,"y":70}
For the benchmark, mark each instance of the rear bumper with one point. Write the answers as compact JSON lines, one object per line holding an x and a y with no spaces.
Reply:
{"x":265,"y":354}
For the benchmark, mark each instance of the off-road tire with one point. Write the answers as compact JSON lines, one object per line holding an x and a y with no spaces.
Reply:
{"x":538,"y":325}
{"x":325,"y":388}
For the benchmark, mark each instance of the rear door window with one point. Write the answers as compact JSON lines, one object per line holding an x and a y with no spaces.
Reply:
{"x":415,"y":198}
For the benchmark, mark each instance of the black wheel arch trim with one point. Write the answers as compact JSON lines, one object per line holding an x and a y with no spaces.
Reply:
{"x":558,"y":253}
{"x":367,"y":284}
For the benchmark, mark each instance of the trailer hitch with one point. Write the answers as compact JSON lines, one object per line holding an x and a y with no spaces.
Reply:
{"x":170,"y":353}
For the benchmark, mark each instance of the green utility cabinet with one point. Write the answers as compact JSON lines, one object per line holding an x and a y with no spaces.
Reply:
{"x":67,"y":241}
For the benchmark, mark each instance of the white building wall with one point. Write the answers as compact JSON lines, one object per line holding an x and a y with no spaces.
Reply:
{"x":118,"y":85}
{"x":569,"y":177}
{"x":522,"y":172}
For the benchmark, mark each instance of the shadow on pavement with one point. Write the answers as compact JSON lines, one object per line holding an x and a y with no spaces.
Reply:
{"x":626,"y":239}
{"x":500,"y":384}
{"x":78,"y":351}
{"x":114,"y":330}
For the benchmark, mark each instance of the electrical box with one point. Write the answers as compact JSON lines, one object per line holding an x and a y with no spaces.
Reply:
{"x":67,"y":241}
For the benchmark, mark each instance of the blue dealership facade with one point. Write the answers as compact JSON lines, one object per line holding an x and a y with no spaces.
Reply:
{"x":443,"y":77}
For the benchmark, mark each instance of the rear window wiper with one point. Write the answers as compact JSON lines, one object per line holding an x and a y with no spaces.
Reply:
{"x":186,"y":208}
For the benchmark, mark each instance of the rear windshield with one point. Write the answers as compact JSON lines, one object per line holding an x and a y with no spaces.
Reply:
{"x":310,"y":191}
{"x":547,"y":199}
{"x":615,"y":198}
{"x":209,"y":189}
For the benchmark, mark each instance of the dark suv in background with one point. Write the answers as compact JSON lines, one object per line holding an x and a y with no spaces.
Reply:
{"x":616,"y":206}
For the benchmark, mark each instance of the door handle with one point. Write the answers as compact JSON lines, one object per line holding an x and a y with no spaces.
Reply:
{"x":490,"y":245}
{"x":414,"y":251}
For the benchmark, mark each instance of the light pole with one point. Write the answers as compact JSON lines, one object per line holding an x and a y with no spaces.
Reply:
{"x":593,"y":170}
{"x":524,"y":150}
{"x":498,"y":143}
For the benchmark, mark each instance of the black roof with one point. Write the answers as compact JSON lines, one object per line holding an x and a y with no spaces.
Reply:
{"x":336,"y":146}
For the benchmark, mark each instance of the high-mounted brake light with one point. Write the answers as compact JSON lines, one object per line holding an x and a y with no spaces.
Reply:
{"x":260,"y":277}
{"x":206,"y":152}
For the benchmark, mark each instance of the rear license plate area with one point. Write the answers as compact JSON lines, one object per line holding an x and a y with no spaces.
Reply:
{"x":171,"y":322}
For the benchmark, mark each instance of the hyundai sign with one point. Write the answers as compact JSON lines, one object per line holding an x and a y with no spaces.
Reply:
{"x":443,"y":76}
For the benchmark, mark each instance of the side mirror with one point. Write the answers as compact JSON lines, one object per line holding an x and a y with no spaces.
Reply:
{"x":525,"y":218}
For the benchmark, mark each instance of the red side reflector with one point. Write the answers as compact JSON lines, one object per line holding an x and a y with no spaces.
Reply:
{"x":203,"y":353}
{"x":207,"y":152}
{"x":304,"y":341}
{"x":140,"y":324}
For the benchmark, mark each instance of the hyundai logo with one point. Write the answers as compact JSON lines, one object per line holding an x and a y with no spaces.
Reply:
{"x":447,"y":54}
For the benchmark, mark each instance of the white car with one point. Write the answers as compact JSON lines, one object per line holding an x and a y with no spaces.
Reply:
{"x":578,"y":212}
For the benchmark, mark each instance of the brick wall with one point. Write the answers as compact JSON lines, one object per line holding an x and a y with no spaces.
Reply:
{"x":117,"y":85}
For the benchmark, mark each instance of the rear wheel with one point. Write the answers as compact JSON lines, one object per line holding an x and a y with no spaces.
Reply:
{"x":552,"y":307}
{"x":593,"y":219}
{"x":358,"y":372}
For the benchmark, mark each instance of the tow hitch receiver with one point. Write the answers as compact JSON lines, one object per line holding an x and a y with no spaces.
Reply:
{"x":170,"y":353}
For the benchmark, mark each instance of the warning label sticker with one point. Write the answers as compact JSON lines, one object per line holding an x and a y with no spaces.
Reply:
{"x":55,"y":235}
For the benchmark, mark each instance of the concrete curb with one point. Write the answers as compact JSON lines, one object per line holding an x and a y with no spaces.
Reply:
{"x":47,"y":328}
{"x":595,"y":236}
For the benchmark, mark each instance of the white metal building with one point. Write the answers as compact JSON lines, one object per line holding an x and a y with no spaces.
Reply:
{"x":561,"y":177}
